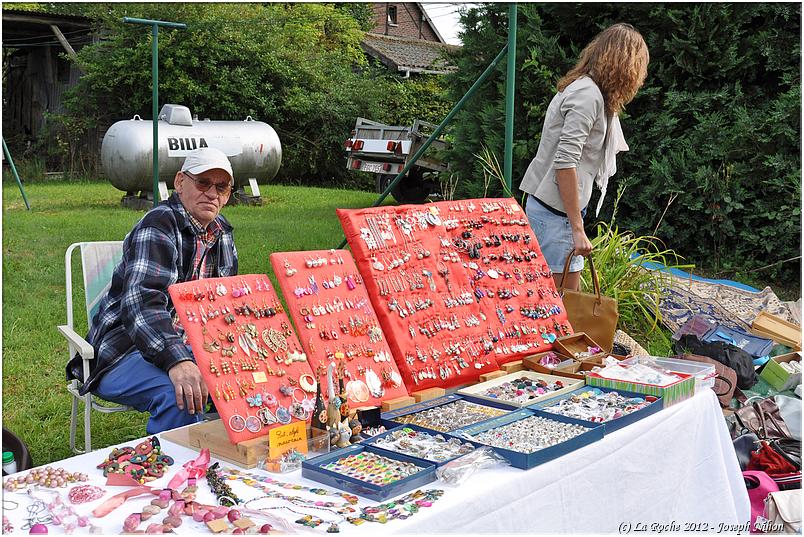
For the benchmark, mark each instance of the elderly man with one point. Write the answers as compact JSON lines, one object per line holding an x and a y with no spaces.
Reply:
{"x":141,"y":359}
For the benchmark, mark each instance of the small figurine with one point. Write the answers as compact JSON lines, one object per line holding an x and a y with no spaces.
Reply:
{"x":338,"y":433}
{"x":356,"y":427}
{"x":344,"y":434}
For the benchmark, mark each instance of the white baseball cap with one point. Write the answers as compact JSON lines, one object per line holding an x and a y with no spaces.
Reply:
{"x":205,"y":159}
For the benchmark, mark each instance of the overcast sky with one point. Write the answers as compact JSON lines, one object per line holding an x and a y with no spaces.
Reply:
{"x":445,"y":18}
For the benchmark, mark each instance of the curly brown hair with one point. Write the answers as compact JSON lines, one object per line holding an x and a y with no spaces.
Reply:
{"x":617,"y":60}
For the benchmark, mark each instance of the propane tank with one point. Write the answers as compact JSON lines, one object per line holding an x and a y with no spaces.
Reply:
{"x":253,"y":148}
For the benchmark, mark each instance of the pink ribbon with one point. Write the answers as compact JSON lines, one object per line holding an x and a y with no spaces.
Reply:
{"x":119,"y":499}
{"x":191,"y":469}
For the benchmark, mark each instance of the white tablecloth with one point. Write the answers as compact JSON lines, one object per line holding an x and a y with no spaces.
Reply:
{"x":674,"y":467}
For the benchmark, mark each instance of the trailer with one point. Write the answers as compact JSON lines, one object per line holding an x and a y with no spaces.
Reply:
{"x":385,"y":150}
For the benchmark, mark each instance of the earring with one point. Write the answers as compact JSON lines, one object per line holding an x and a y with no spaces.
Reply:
{"x":289,"y":270}
{"x":237,"y":423}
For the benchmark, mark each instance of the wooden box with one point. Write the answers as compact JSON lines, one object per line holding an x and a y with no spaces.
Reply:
{"x":777,"y":329}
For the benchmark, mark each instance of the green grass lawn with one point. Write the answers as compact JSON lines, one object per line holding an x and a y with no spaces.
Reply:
{"x":36,"y":405}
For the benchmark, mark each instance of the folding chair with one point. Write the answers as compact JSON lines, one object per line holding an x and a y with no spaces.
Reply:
{"x":98,"y":260}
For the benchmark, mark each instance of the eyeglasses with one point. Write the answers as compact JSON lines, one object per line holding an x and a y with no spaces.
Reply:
{"x":205,"y":184}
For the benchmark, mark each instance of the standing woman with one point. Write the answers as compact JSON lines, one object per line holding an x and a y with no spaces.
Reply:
{"x":580,"y":138}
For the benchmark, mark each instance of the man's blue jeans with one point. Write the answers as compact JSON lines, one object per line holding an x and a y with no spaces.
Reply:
{"x":138,"y":383}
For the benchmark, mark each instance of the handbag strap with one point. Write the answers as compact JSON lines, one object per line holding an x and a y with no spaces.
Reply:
{"x":595,"y":281}
{"x":727,"y":381}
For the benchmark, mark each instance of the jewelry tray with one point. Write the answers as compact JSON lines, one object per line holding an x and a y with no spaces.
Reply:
{"x":388,"y":419}
{"x":611,"y":425}
{"x":373,"y":442}
{"x":312,"y":469}
{"x":474,"y":393}
{"x":526,"y":461}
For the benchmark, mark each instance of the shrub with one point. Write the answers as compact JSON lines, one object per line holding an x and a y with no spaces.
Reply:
{"x":717,"y":123}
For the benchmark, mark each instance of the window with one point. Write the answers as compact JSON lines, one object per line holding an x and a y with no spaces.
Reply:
{"x":392,"y":15}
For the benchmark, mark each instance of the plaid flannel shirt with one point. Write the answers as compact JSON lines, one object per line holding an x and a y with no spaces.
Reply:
{"x":137,"y":313}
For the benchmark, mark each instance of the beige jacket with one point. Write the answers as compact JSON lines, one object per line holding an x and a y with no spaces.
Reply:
{"x":573,"y":136}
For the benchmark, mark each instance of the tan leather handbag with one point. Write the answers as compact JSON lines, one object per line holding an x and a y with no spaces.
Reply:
{"x":591,"y":313}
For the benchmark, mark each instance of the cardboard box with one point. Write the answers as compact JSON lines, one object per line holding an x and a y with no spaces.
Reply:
{"x":777,"y":377}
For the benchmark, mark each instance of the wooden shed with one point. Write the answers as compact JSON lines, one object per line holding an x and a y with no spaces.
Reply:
{"x":37,"y":74}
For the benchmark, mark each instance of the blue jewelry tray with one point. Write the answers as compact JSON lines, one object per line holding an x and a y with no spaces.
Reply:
{"x":311,"y":469}
{"x":526,"y":461}
{"x":373,"y":442}
{"x":611,"y":425}
{"x":389,"y":418}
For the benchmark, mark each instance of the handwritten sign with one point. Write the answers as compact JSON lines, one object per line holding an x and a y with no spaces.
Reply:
{"x":283,"y":439}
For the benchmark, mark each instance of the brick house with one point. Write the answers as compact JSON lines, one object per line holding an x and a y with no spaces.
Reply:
{"x":404,"y":19}
{"x":405,"y":40}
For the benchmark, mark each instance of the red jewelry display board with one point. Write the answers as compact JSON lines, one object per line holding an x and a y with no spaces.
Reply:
{"x":426,"y":306}
{"x":336,"y":323}
{"x":468,"y":276}
{"x":247,"y":352}
{"x":494,"y":240}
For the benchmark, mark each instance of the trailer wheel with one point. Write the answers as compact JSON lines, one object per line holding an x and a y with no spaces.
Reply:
{"x":413,"y":188}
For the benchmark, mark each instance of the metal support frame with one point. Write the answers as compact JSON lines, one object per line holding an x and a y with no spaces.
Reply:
{"x":510,"y":86}
{"x":155,"y":92}
{"x":7,"y":153}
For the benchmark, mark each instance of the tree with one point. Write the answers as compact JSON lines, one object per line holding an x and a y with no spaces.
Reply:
{"x":290,"y":65}
{"x":717,"y":123}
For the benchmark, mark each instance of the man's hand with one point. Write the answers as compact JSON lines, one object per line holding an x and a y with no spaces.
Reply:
{"x":189,"y":386}
{"x":581,"y":241}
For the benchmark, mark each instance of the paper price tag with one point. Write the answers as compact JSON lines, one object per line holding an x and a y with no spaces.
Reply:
{"x":283,"y":439}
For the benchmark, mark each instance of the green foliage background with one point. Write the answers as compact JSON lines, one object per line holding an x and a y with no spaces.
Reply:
{"x":717,"y":121}
{"x":298,"y":67}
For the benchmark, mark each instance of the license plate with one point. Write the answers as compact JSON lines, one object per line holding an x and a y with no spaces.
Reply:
{"x":372,"y":167}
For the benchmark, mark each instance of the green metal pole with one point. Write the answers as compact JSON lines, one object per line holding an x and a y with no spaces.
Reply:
{"x":155,"y":89}
{"x":438,"y":129}
{"x":510,"y":86}
{"x":16,"y":175}
{"x":155,"y":108}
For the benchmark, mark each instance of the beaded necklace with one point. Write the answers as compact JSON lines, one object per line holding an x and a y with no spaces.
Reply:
{"x":256,"y":481}
{"x":223,"y":492}
{"x":306,"y":519}
{"x":400,"y":508}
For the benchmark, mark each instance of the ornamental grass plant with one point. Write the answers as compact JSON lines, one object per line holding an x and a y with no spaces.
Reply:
{"x":620,"y":258}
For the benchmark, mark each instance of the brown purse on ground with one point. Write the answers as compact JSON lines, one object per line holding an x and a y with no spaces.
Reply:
{"x":726,"y":380}
{"x":594,"y":314}
{"x":761,"y":416}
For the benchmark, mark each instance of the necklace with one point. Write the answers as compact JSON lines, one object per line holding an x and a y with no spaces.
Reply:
{"x":306,"y":519}
{"x":400,"y":508}
{"x":223,"y":492}
{"x":255,"y":481}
